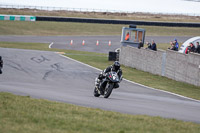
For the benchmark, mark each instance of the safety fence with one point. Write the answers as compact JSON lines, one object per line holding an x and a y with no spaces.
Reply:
{"x":107,"y":21}
{"x":48,"y":8}
{"x":52,"y":8}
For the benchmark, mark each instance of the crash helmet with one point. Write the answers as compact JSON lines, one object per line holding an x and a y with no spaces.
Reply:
{"x":116,"y":66}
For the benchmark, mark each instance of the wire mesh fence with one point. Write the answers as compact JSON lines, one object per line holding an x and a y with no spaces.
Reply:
{"x":47,"y":8}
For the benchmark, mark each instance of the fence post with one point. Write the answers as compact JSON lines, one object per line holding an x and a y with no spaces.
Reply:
{"x":163,"y":64}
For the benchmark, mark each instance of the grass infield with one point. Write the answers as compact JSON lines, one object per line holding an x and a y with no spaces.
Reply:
{"x":22,"y":114}
{"x":84,"y":29}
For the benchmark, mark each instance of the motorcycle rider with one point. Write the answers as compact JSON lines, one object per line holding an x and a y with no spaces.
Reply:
{"x":1,"y":64}
{"x":116,"y":68}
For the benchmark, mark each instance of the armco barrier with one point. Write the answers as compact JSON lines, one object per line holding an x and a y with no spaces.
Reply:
{"x":171,"y":64}
{"x":17,"y":17}
{"x":106,"y":21}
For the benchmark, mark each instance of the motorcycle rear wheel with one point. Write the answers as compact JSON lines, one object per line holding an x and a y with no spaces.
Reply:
{"x":96,"y":94}
{"x":108,"y":90}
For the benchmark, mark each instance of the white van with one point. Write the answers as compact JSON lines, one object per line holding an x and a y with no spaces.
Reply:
{"x":186,"y":43}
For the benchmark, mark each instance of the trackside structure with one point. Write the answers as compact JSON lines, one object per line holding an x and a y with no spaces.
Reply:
{"x":132,"y":36}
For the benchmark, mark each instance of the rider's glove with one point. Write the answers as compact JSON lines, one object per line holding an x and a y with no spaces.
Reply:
{"x":104,"y":74}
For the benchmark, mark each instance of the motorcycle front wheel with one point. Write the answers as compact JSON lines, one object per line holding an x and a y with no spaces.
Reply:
{"x":108,"y":90}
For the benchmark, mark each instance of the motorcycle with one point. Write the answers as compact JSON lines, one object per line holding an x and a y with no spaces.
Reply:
{"x":108,"y":83}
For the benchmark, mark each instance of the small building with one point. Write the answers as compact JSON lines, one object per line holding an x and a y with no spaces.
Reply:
{"x":132,"y":36}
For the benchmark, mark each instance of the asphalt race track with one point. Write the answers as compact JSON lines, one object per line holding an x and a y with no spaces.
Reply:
{"x":51,"y":76}
{"x":63,"y":42}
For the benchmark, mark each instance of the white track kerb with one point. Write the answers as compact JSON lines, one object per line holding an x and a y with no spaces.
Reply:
{"x":132,"y":81}
{"x":17,"y":17}
{"x":50,"y":45}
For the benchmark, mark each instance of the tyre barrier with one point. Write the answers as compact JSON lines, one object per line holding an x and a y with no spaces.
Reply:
{"x":90,"y":20}
{"x":106,"y":21}
{"x":113,"y":56}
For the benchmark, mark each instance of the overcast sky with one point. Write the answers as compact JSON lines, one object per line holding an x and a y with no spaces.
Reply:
{"x":154,"y":6}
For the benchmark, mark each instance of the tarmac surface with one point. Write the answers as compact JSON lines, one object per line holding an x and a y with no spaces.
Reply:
{"x":64,"y":42}
{"x":48,"y":75}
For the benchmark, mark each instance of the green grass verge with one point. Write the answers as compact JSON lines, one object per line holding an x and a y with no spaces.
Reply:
{"x":100,"y":61}
{"x":62,"y":28}
{"x":44,"y":47}
{"x":22,"y":114}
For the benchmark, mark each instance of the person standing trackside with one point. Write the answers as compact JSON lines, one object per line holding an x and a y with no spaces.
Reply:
{"x":172,"y":46}
{"x":127,"y":36}
{"x":190,"y":48}
{"x":148,"y":45}
{"x":153,"y":46}
{"x":140,"y":44}
{"x":197,"y":50}
{"x":176,"y":44}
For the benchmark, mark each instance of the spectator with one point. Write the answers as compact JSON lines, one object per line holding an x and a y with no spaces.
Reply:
{"x":190,"y":48}
{"x":140,"y":44}
{"x":172,"y":46}
{"x":148,"y":45}
{"x":197,"y":50}
{"x":153,"y":46}
{"x":187,"y":50}
{"x":176,"y":44}
{"x":127,"y":36}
